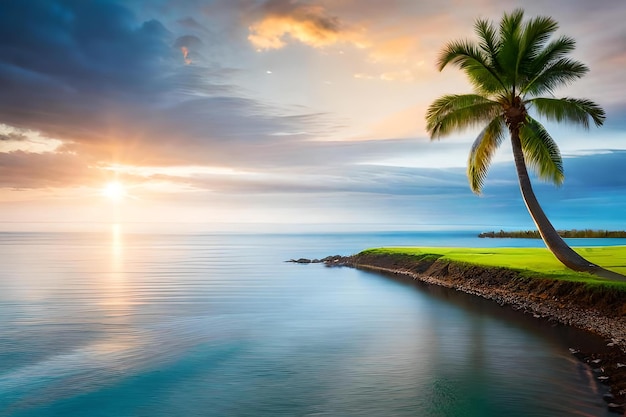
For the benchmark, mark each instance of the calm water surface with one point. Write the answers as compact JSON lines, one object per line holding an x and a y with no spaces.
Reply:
{"x":116,"y":324}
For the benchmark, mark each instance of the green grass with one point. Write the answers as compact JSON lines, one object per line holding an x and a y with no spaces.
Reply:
{"x":533,"y":262}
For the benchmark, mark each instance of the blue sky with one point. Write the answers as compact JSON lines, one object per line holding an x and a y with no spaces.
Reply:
{"x":279,"y":111}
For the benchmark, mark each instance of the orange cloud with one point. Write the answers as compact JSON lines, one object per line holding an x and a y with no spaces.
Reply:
{"x":309,"y":24}
{"x":185,"y":51}
{"x":394,"y":54}
{"x":186,"y":44}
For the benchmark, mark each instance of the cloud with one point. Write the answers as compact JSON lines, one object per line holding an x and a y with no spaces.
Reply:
{"x":306,"y":23}
{"x":104,"y":83}
{"x":13,"y":137}
{"x":64,"y":61}
{"x":330,"y":167}
{"x":392,"y":50}
{"x":114,"y":89}
{"x":22,"y":170}
{"x":375,"y":180}
{"x":79,"y":46}
{"x":191,"y":23}
{"x":281,"y":21}
{"x":187,"y":43}
{"x":406,"y":195}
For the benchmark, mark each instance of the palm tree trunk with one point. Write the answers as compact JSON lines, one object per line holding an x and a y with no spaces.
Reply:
{"x":550,"y":236}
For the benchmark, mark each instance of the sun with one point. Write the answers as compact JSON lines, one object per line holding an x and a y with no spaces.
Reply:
{"x":114,"y":191}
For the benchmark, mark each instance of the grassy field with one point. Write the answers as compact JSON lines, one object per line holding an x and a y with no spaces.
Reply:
{"x":531,"y":261}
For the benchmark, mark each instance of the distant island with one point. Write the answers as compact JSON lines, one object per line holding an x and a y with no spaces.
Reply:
{"x":534,"y":234}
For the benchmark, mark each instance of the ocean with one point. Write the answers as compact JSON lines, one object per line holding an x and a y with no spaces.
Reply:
{"x":122,"y":324}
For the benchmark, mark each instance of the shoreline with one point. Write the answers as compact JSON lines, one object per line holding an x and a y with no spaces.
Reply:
{"x":566,"y":303}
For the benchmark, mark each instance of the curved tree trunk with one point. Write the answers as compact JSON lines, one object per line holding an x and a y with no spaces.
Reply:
{"x":548,"y":233}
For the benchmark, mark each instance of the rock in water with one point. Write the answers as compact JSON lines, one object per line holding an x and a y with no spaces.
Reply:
{"x":300,"y":261}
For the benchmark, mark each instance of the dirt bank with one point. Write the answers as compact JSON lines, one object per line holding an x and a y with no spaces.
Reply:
{"x":598,"y":310}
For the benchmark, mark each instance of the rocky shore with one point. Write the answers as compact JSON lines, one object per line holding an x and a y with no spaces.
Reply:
{"x":601,"y":311}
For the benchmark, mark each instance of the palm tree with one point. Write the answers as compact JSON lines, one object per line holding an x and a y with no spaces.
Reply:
{"x":510,"y":67}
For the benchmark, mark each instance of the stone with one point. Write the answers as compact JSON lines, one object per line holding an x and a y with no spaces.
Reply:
{"x":300,"y":261}
{"x":608,"y":397}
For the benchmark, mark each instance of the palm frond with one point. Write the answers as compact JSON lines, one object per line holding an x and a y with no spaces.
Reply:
{"x":474,"y":62}
{"x":575,"y":110}
{"x":535,"y":34}
{"x":510,"y":39}
{"x":511,"y":24}
{"x":457,"y":112}
{"x":541,"y":153}
{"x":482,"y":152}
{"x":489,"y":42}
{"x":553,"y":51}
{"x":561,"y":72}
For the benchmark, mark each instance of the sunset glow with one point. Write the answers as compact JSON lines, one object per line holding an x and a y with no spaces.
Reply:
{"x":114,"y":191}
{"x":294,"y":112}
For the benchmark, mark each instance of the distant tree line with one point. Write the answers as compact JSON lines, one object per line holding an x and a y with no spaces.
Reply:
{"x":534,"y":234}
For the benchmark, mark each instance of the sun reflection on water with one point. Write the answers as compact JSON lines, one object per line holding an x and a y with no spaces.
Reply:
{"x":114,"y":290}
{"x":117,"y":249}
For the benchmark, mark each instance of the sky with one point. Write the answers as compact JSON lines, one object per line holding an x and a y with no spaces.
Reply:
{"x":280,"y":112}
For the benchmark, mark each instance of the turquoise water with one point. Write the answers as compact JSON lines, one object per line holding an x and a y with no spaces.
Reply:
{"x":119,"y":324}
